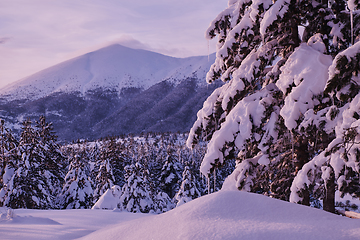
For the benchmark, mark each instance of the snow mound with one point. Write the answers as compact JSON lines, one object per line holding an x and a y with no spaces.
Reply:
{"x":109,"y":200}
{"x":236,"y":215}
{"x":11,"y":218}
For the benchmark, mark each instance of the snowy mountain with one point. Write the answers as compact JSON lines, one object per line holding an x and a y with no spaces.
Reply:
{"x":114,"y":67}
{"x":114,"y":90}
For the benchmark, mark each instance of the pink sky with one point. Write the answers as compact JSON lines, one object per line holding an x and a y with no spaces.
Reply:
{"x":37,"y":34}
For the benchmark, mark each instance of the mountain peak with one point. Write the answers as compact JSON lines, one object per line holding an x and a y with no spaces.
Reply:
{"x":118,"y":48}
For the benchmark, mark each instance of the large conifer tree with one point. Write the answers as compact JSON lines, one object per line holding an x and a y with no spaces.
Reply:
{"x":275,"y":77}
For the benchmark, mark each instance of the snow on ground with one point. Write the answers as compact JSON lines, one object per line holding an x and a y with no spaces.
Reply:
{"x":59,"y":224}
{"x":221,"y":215}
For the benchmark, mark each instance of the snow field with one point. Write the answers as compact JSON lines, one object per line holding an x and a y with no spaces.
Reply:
{"x":222,"y":215}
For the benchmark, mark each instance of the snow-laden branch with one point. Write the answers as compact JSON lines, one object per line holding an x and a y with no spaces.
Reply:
{"x":237,"y":128}
{"x":303,"y":77}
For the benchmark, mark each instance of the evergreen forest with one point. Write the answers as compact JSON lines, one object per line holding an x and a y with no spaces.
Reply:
{"x":153,"y":172}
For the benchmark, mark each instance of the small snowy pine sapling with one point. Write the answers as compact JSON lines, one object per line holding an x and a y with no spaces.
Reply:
{"x":188,"y":190}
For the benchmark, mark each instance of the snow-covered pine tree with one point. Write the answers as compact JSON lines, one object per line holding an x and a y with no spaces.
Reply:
{"x":135,"y":195}
{"x":105,"y":178}
{"x":131,"y":150}
{"x":159,"y":157}
{"x":118,"y":160}
{"x":273,"y":78}
{"x":28,"y":188}
{"x":110,"y":150}
{"x":170,"y":174}
{"x":150,"y":157}
{"x":330,"y":165}
{"x":95,"y":152}
{"x":196,"y":155}
{"x":11,"y":158}
{"x":243,"y":114}
{"x":2,"y":151}
{"x":52,"y":165}
{"x":188,"y":190}
{"x":94,"y":156}
{"x":337,"y":166}
{"x":162,"y":203}
{"x":77,"y":191}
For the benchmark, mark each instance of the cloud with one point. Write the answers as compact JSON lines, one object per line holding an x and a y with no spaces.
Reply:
{"x":4,"y":39}
{"x":129,"y":41}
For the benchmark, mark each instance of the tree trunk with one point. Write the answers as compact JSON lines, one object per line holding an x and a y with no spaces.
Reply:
{"x":295,"y":33}
{"x":306,"y":197}
{"x":329,"y":199}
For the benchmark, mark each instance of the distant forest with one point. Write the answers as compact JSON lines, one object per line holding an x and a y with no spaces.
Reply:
{"x":153,"y":168}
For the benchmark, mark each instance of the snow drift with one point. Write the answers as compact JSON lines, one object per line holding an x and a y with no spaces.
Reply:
{"x":11,"y":218}
{"x":236,"y":215}
{"x":109,"y":200}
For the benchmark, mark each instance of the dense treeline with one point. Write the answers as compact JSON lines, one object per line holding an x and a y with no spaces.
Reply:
{"x":149,"y":173}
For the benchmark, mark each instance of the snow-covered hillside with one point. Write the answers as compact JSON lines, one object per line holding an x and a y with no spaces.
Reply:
{"x":112,"y":67}
{"x":222,"y":215}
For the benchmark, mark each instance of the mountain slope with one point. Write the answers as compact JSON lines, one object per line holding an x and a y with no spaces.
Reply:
{"x":161,"y":108}
{"x":112,"y":91}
